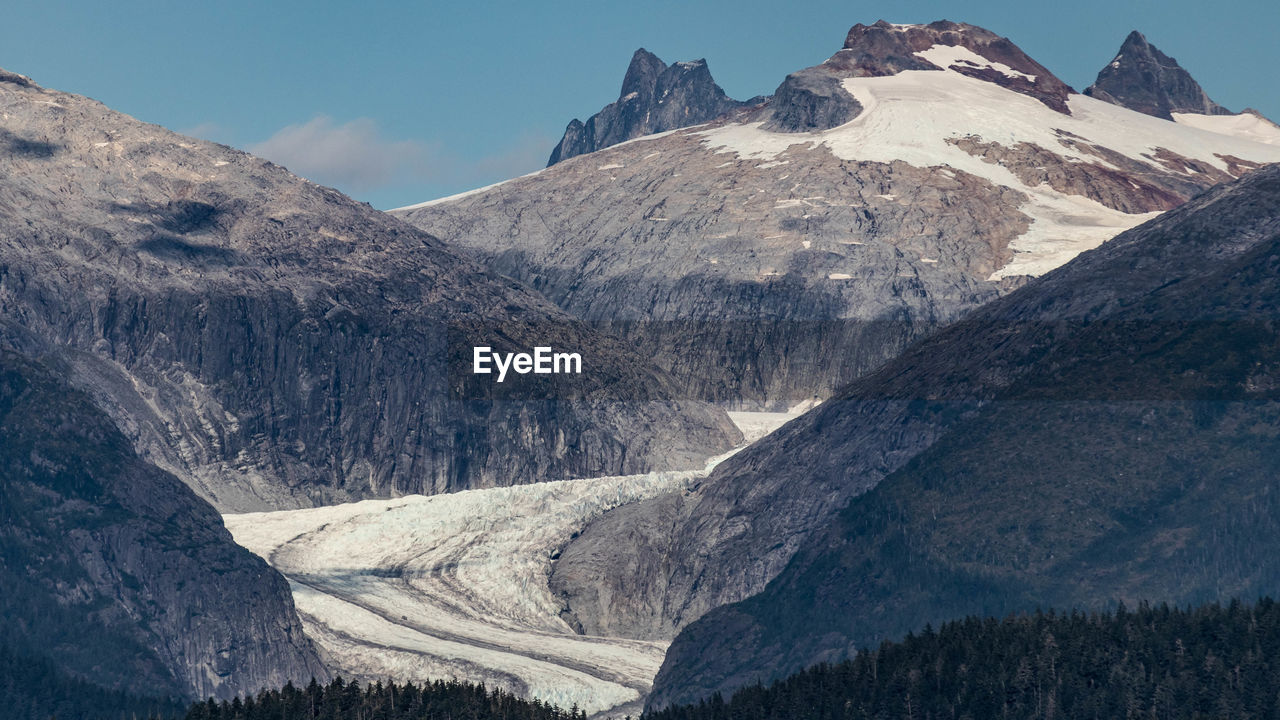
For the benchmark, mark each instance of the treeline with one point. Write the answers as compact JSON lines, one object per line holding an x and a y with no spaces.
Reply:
{"x":440,"y":700}
{"x":1155,"y":663}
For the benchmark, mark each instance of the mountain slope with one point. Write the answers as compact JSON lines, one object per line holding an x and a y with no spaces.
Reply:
{"x":766,"y":265}
{"x":655,"y":97}
{"x":276,"y":344}
{"x":114,"y":572}
{"x":1106,"y":433}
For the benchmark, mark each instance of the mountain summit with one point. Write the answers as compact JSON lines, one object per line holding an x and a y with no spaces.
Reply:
{"x":883,"y":48}
{"x":655,"y":97}
{"x":1144,"y":79}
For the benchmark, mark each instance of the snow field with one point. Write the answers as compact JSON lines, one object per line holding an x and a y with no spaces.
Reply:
{"x":908,"y":117}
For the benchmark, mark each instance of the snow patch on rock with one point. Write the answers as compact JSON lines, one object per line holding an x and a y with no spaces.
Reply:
{"x":944,"y":56}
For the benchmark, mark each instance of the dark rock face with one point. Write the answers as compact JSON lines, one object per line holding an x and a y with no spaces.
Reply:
{"x":1105,"y":433}
{"x":115,"y":571}
{"x":655,"y":97}
{"x":275,"y":344}
{"x":1144,"y":79}
{"x":884,"y":49}
{"x":811,"y":100}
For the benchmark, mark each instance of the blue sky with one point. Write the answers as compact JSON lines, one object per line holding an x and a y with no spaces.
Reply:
{"x":398,"y":102}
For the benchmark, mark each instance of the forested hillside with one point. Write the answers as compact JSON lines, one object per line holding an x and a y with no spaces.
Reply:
{"x":35,"y":689}
{"x":1156,"y":662}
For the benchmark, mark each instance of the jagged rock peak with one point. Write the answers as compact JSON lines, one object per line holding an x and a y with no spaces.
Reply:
{"x":884,"y":48}
{"x":655,"y":97}
{"x":642,"y":74}
{"x":1142,"y":78}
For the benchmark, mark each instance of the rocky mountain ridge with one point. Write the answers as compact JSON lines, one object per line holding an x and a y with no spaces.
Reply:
{"x":1146,"y":80}
{"x":275,"y":344}
{"x":1104,"y":434}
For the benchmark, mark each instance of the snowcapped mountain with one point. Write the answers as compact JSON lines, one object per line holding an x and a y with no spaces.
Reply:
{"x":779,"y":251}
{"x":965,"y":168}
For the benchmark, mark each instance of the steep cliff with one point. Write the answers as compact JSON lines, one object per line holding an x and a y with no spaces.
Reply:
{"x":117,"y":573}
{"x":276,"y":344}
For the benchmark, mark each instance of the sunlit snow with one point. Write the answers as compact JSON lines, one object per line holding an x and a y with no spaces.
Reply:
{"x":1245,"y":125}
{"x":909,"y":117}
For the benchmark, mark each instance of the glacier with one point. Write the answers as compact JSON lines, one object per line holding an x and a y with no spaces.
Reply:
{"x":456,"y":586}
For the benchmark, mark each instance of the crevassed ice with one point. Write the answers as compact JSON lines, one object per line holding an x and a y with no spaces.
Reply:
{"x":433,"y":587}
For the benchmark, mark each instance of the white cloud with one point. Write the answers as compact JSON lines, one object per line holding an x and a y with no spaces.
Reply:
{"x":527,"y":153}
{"x":358,"y":159}
{"x":353,"y":156}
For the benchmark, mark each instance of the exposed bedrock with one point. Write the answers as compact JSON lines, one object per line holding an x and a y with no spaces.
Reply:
{"x":655,"y":97}
{"x":116,"y":572}
{"x":1144,"y":79}
{"x":276,"y":344}
{"x":811,"y":100}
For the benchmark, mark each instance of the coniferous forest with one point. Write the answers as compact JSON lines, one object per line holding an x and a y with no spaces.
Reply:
{"x":441,"y":700}
{"x":1156,"y":663}
{"x":32,"y":688}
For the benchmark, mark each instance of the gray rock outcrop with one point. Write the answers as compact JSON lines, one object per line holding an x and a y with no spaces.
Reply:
{"x":655,"y":97}
{"x":810,"y":100}
{"x":115,"y":571}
